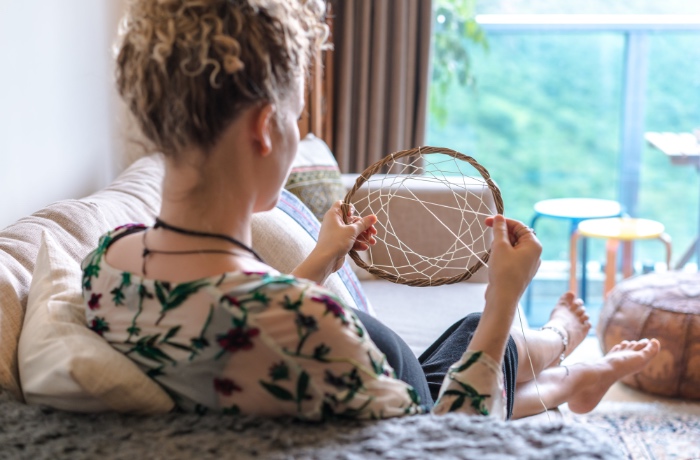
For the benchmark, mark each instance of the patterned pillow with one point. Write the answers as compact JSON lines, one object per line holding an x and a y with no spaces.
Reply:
{"x":315,"y":178}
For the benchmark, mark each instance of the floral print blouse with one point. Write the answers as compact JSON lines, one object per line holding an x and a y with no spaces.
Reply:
{"x":265,"y":344}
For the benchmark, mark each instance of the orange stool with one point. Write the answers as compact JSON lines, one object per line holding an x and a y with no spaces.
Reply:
{"x":616,"y":229}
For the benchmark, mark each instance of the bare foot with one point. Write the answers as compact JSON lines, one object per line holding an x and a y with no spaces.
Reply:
{"x":569,"y":315}
{"x":623,"y":359}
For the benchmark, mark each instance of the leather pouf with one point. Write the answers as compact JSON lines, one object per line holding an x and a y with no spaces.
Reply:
{"x":665,"y":306}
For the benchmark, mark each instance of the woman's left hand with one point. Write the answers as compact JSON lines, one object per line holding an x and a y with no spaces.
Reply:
{"x":335,"y":240}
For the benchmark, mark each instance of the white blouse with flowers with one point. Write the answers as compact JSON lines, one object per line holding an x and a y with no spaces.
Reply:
{"x":265,"y":344}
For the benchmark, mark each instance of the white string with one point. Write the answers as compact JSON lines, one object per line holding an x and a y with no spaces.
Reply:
{"x":532,"y":367}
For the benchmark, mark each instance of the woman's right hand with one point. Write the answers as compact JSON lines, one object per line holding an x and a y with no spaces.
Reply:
{"x":515,"y":257}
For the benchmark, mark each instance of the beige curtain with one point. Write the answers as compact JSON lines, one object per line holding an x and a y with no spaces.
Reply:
{"x":381,"y":76}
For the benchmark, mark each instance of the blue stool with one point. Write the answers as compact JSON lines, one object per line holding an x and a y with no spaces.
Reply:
{"x":575,"y":210}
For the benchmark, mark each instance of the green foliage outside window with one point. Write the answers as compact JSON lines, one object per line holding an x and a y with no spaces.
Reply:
{"x":455,"y":32}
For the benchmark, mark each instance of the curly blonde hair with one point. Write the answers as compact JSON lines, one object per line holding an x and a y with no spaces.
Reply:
{"x":187,"y":68}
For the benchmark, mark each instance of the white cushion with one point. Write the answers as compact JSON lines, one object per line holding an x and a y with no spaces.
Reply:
{"x":65,"y":365}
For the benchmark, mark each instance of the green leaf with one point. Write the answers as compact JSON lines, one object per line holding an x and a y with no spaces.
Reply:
{"x":180,"y":346}
{"x":155,"y":372}
{"x":160,"y":293}
{"x":126,"y":279}
{"x":478,"y":404}
{"x":302,"y":385}
{"x":143,"y":292}
{"x":171,"y":299}
{"x":182,"y":292}
{"x":261,"y":297}
{"x":472,"y":359}
{"x":468,"y":388}
{"x":289,"y":305}
{"x":146,"y":347}
{"x":413,"y":394}
{"x":171,"y":333}
{"x":452,"y":393}
{"x":327,"y":412}
{"x":378,"y":369}
{"x":459,"y":402}
{"x":279,"y":371}
{"x":117,"y":296}
{"x":92,"y":270}
{"x":359,"y":330}
{"x":321,"y":351}
{"x":232,"y":410}
{"x":277,"y":391}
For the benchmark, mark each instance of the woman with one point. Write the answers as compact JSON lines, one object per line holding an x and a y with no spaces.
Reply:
{"x":217,"y":86}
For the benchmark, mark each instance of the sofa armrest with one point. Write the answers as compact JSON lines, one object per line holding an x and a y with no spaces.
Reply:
{"x":422,"y":231}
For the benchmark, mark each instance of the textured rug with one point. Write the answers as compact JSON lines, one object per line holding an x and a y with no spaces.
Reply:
{"x":647,"y":431}
{"x":38,"y":433}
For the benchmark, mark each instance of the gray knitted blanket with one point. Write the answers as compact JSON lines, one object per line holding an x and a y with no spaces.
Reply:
{"x":30,"y":432}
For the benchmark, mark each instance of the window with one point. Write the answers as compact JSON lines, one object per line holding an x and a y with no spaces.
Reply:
{"x":554,"y":112}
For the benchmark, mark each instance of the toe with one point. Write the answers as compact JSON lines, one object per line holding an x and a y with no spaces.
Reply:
{"x":650,"y":348}
{"x":654,"y":346}
{"x":568,"y":297}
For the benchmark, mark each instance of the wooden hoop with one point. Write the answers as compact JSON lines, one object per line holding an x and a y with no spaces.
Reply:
{"x":369,"y":172}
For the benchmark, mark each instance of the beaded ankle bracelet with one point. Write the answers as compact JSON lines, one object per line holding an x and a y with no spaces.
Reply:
{"x":564,"y":340}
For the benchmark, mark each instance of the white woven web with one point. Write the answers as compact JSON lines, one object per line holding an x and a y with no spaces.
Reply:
{"x":430,"y":212}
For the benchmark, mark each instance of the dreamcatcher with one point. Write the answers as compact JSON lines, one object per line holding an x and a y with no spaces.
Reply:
{"x":411,"y":249}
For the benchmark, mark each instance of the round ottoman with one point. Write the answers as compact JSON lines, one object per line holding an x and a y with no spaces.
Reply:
{"x":665,"y":306}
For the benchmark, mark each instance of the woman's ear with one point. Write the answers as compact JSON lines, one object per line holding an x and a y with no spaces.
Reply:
{"x":262,"y":128}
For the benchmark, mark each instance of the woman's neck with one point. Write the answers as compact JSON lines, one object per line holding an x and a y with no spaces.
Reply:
{"x":201,"y":198}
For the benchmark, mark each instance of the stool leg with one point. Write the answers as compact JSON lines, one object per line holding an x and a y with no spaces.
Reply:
{"x":666,"y":239}
{"x":610,"y":265}
{"x":584,"y":259}
{"x":573,"y":257}
{"x":584,"y":269}
{"x":627,"y":259}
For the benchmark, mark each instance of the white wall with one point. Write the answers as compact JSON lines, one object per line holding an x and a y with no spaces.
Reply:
{"x":58,"y":129}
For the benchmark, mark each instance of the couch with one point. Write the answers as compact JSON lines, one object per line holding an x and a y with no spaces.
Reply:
{"x":50,"y":428}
